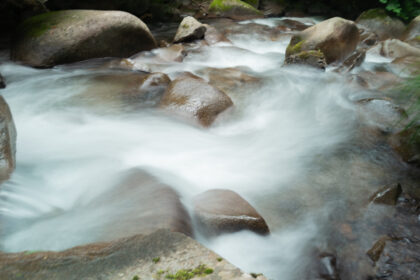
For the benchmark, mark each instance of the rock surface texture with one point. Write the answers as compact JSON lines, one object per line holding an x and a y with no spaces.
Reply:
{"x":190,"y":29}
{"x":378,"y":21}
{"x":335,"y":38}
{"x":7,"y":141}
{"x":74,"y":35}
{"x":192,"y":97}
{"x":155,"y":256}
{"x":234,"y":9}
{"x":224,"y":211}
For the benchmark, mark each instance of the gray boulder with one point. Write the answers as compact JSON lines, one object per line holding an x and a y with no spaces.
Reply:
{"x":189,"y":30}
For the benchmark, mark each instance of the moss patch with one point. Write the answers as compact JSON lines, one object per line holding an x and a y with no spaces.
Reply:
{"x":373,"y":14}
{"x":227,"y":5}
{"x":186,"y":274}
{"x":295,"y":46}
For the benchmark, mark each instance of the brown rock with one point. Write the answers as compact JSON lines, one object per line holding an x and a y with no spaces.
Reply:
{"x":189,"y":30}
{"x":412,"y":33}
{"x":272,"y":8}
{"x":7,"y":141}
{"x":394,"y":48}
{"x":74,"y":35}
{"x":354,"y":60}
{"x":173,"y":53}
{"x":224,"y":211}
{"x":378,"y":21}
{"x":234,"y":9}
{"x":409,"y":65}
{"x":124,"y":91}
{"x":336,"y":38}
{"x":192,"y":97}
{"x":122,"y":259}
{"x":387,"y":195}
{"x":407,"y":144}
{"x":375,"y":252}
{"x":311,"y":58}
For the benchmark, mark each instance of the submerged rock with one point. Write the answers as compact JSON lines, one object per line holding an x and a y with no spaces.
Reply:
{"x":394,"y":48}
{"x":378,"y":21}
{"x":2,"y":82}
{"x":213,"y":36}
{"x":7,"y":141}
{"x":224,"y":211}
{"x":74,"y":35}
{"x":192,"y":97}
{"x":407,"y":144}
{"x":234,"y":9}
{"x":387,"y":195}
{"x":336,"y":38}
{"x":159,"y":255}
{"x":375,"y":252}
{"x":189,"y":30}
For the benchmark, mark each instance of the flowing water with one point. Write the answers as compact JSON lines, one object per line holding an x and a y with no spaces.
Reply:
{"x":293,"y":146}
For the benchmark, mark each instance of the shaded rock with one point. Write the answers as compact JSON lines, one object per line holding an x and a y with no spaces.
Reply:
{"x":379,"y":80}
{"x":189,"y":30}
{"x":229,"y":80}
{"x":409,"y":65}
{"x":368,"y":38}
{"x":224,"y":211}
{"x":327,"y":268}
{"x":375,"y":252}
{"x":394,"y":48}
{"x":407,"y":144}
{"x":253,"y":3}
{"x":387,"y":195}
{"x":312,"y":58}
{"x":412,"y":33}
{"x":2,"y":82}
{"x":272,"y":8}
{"x":213,"y":36}
{"x":7,"y":141}
{"x":354,"y":60}
{"x":143,"y":205}
{"x":234,"y":9}
{"x":122,"y":259}
{"x":378,"y":21}
{"x":293,"y":25}
{"x":192,"y":97}
{"x":74,"y":35}
{"x":336,"y":38}
{"x":124,"y":91}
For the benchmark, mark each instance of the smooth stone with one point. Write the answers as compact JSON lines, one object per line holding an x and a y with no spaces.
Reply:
{"x":189,"y":30}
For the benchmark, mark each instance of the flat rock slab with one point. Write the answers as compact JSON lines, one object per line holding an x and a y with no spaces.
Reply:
{"x":153,"y":256}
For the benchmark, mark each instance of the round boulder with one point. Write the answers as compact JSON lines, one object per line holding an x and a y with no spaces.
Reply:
{"x":190,"y":29}
{"x":336,"y":38}
{"x":74,"y":35}
{"x":224,"y":211}
{"x":378,"y":21}
{"x":192,"y":97}
{"x":7,"y":141}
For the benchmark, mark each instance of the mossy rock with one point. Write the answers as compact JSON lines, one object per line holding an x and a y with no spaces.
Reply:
{"x":373,"y":14}
{"x":378,"y":21}
{"x":73,"y":35}
{"x":234,"y":9}
{"x":314,"y":58}
{"x":253,"y":3}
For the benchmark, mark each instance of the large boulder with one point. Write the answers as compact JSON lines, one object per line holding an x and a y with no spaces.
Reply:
{"x":378,"y":21}
{"x":412,"y":33}
{"x":74,"y":35}
{"x":224,"y":211}
{"x":336,"y":38}
{"x":160,"y":255}
{"x":192,"y":97}
{"x":234,"y":9}
{"x":7,"y":141}
{"x":190,"y":29}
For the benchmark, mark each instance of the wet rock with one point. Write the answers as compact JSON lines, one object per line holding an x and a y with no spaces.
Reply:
{"x":409,"y":65}
{"x":387,"y":195}
{"x":379,"y":80}
{"x":7,"y":141}
{"x":189,"y":30}
{"x":126,"y":91}
{"x":353,"y":61}
{"x":213,"y":36}
{"x":144,"y":205}
{"x":229,"y":80}
{"x":74,"y":35}
{"x":128,"y":258}
{"x":253,"y":3}
{"x":192,"y":97}
{"x":378,"y":21}
{"x":336,"y":38}
{"x":293,"y":25}
{"x":368,"y":38}
{"x":2,"y":82}
{"x":234,"y":9}
{"x":272,"y":8}
{"x":375,"y":252}
{"x":173,"y":53}
{"x":394,"y":48}
{"x":311,"y":58}
{"x":224,"y":211}
{"x":412,"y":33}
{"x":407,"y":144}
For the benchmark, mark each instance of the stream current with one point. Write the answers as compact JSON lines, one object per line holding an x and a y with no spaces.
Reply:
{"x":292,"y":145}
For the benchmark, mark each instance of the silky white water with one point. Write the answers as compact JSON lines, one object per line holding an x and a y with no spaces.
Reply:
{"x":267,"y":148}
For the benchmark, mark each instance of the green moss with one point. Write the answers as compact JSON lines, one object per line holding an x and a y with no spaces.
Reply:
{"x":295,"y":46}
{"x":136,"y":277}
{"x":307,"y":54}
{"x":373,"y":14}
{"x":227,"y":5}
{"x":219,"y":259}
{"x":186,"y":274}
{"x":156,"y":260}
{"x":253,"y":3}
{"x":30,"y":252}
{"x":256,"y":275}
